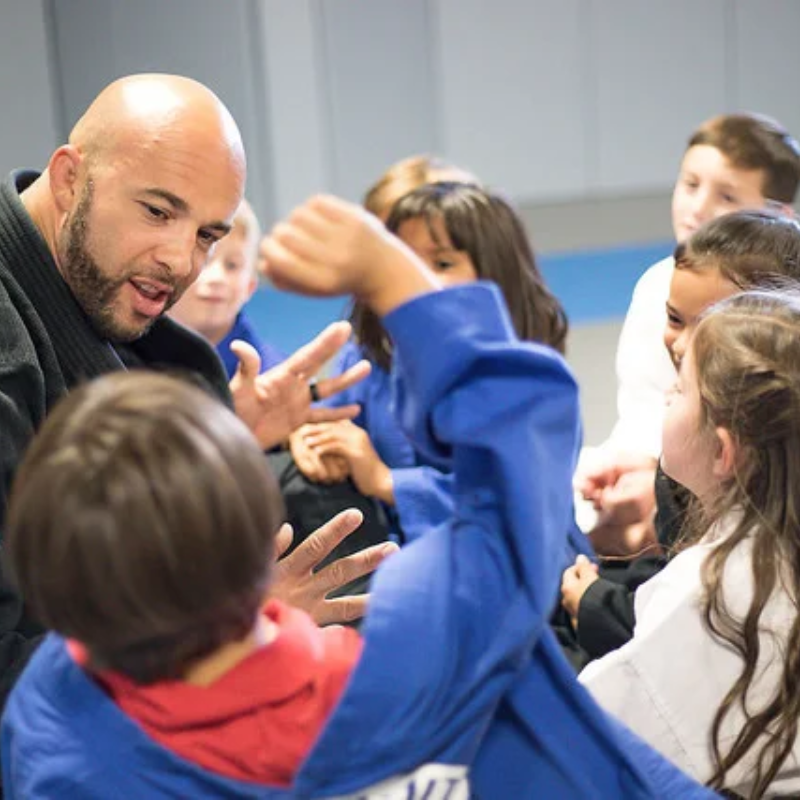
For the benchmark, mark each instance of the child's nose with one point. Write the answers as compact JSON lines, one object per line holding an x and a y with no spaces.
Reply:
{"x":213,"y":272}
{"x":703,"y":207}
{"x":679,"y":346}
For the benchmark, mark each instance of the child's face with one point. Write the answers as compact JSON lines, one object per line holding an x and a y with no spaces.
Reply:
{"x":691,"y":292}
{"x":452,"y":266}
{"x":708,"y":186}
{"x":210,"y":305}
{"x":687,"y":450}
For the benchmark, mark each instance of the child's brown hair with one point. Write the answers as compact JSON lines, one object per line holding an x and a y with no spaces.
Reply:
{"x":755,"y":142}
{"x":141,"y":524}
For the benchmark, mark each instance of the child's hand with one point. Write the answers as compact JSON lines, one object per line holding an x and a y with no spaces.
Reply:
{"x":346,"y":439}
{"x":329,"y":247}
{"x":321,"y":469}
{"x":630,"y":500}
{"x":593,"y":480}
{"x":574,"y":583}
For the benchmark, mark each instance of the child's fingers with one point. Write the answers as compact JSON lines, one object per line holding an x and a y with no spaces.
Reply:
{"x":323,"y":414}
{"x":332,"y":448}
{"x":322,"y":438}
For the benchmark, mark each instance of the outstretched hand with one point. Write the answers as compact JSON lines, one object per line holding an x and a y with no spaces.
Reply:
{"x":273,"y":404}
{"x":297,"y":584}
{"x":329,"y":247}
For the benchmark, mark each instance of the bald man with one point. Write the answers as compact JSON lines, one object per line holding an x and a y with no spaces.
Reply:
{"x":94,"y":250}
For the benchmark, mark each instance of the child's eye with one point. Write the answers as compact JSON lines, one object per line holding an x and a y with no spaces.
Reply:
{"x":443,"y":264}
{"x":674,"y":320}
{"x":155,"y":212}
{"x":729,"y":198}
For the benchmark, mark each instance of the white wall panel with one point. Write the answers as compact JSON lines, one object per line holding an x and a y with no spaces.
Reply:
{"x":549,"y":99}
{"x":298,"y":157}
{"x":767,"y":63}
{"x":377,"y":75}
{"x":659,"y":70}
{"x":210,"y":41}
{"x":512,"y":93}
{"x":30,"y":130}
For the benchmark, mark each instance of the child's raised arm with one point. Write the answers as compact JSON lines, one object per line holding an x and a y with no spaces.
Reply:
{"x":457,"y":617}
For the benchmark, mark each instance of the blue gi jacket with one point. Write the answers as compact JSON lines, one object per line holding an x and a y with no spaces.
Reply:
{"x":461,"y":690}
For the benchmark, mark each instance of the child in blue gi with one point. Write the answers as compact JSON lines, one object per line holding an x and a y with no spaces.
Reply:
{"x":140,"y":530}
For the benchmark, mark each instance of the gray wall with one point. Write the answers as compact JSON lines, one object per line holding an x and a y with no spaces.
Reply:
{"x":30,"y":125}
{"x":556,"y":101}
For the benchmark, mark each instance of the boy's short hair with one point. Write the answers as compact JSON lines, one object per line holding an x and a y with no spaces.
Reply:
{"x":141,"y":523}
{"x":755,"y":141}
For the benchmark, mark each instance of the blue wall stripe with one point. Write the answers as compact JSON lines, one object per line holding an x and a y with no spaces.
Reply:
{"x":596,"y":285}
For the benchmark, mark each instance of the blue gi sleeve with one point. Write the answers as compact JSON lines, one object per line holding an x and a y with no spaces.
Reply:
{"x":454,"y":615}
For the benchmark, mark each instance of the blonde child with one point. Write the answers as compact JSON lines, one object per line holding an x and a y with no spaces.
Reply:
{"x":213,"y":305}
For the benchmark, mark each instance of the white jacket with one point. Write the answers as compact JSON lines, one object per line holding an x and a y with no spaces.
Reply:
{"x":644,"y":369}
{"x":667,"y":683}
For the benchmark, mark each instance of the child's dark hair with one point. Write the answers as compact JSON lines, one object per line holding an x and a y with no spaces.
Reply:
{"x":483,"y":225}
{"x":141,"y":524}
{"x":747,"y":361}
{"x":749,"y":248}
{"x":755,"y":141}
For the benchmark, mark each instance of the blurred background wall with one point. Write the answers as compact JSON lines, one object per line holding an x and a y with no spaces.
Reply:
{"x":578,"y":109}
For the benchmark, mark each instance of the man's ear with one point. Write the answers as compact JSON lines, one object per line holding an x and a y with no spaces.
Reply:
{"x":63,"y":171}
{"x":726,"y":455}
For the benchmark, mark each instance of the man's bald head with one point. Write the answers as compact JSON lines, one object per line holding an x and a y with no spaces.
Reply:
{"x":153,"y":108}
{"x":131,"y":208}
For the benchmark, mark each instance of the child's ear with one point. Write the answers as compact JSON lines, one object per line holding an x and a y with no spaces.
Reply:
{"x":63,"y":172}
{"x":252,"y":285}
{"x":725,"y":458}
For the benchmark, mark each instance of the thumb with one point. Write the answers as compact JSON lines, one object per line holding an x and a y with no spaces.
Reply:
{"x":249,"y":360}
{"x":583,"y":566}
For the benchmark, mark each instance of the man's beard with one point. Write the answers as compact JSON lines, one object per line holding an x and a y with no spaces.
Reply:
{"x":94,"y":291}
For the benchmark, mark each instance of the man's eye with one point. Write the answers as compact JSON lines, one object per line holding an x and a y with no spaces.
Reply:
{"x":206,"y":239}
